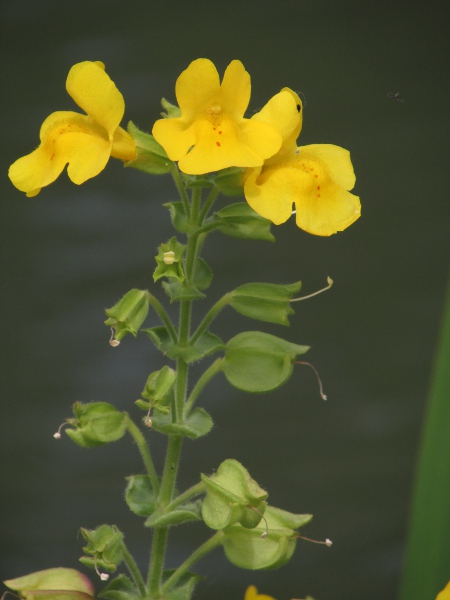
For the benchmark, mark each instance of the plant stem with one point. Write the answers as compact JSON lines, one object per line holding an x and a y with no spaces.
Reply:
{"x":208,"y":203}
{"x":162,"y":315}
{"x":181,"y":190}
{"x":136,"y":433}
{"x":133,"y":570}
{"x":204,"y":379}
{"x":193,"y":491}
{"x":204,"y":549}
{"x":210,"y":316}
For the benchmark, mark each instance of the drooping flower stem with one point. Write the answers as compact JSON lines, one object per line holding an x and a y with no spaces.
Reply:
{"x":210,"y":316}
{"x":180,"y":187}
{"x":201,"y":383}
{"x":195,"y":490}
{"x":210,"y":199}
{"x":201,"y":551}
{"x":136,"y":433}
{"x":133,"y":570}
{"x":159,"y":309}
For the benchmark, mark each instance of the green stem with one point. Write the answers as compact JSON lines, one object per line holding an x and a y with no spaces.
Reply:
{"x":136,"y":433}
{"x":165,"y":496}
{"x":195,"y":490}
{"x":208,"y":203}
{"x":181,"y":190}
{"x":210,"y":372}
{"x":210,"y":316}
{"x":204,"y":549}
{"x":133,"y":570}
{"x":196,"y":200}
{"x":162,"y":315}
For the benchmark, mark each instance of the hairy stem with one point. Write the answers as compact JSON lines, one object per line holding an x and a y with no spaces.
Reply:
{"x":138,"y":437}
{"x":133,"y":570}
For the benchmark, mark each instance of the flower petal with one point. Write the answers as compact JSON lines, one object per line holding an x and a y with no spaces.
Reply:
{"x":197,"y":88}
{"x":175,"y":136}
{"x":283,"y":111}
{"x":235,"y":89}
{"x":233,"y":150}
{"x":123,"y":145}
{"x":272,"y":193}
{"x":252,"y":594}
{"x":94,"y":92}
{"x":66,"y":137}
{"x":334,"y":210}
{"x":336,"y":161}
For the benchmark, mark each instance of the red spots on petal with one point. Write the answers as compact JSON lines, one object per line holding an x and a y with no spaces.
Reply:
{"x":318,"y":195}
{"x":220,"y":132}
{"x":217,"y":143}
{"x":316,"y":176}
{"x":318,"y":187}
{"x":51,"y":157}
{"x":214,"y":128}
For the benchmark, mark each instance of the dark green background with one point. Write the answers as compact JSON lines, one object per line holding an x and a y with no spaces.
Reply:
{"x":71,"y":252}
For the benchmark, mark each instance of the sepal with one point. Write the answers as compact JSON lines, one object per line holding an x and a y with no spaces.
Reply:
{"x":232,"y":496}
{"x":104,"y":545}
{"x":128,"y":314}
{"x":171,"y":111}
{"x":96,"y":423}
{"x":169,"y":261}
{"x":150,"y":156}
{"x":229,"y":181}
{"x":158,"y":389}
{"x":265,"y":301}
{"x":259,"y":362}
{"x":269,"y":545}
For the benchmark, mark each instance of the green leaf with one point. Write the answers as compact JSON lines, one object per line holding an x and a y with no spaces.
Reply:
{"x":232,"y":496}
{"x":120,"y":588}
{"x":240,"y":220}
{"x":259,"y":362}
{"x":179,"y":217}
{"x":206,"y":344}
{"x":96,"y":423}
{"x":427,"y":560}
{"x":150,"y":156}
{"x":139,"y":495}
{"x":265,"y":301}
{"x":229,"y":181}
{"x":177,"y":516}
{"x":180,"y":291}
{"x":184,"y":587}
{"x":202,"y":275}
{"x":196,"y":425}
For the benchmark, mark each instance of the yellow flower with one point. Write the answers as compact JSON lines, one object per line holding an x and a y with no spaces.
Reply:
{"x":443,"y":595}
{"x":85,"y":142}
{"x":316,"y":178}
{"x":211,"y":133}
{"x":252,"y":594}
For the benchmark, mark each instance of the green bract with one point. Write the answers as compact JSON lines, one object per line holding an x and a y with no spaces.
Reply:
{"x":265,"y":301}
{"x":232,"y":496}
{"x":268,"y":545}
{"x":150,"y":156}
{"x":96,"y":423}
{"x":104,"y":544}
{"x":259,"y":362}
{"x":128,"y":314}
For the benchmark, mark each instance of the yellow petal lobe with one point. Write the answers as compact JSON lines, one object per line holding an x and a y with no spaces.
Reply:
{"x":94,"y":92}
{"x":235,"y":89}
{"x":252,"y":594}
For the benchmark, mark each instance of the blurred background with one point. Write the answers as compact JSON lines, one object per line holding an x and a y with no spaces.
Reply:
{"x":71,"y":252}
